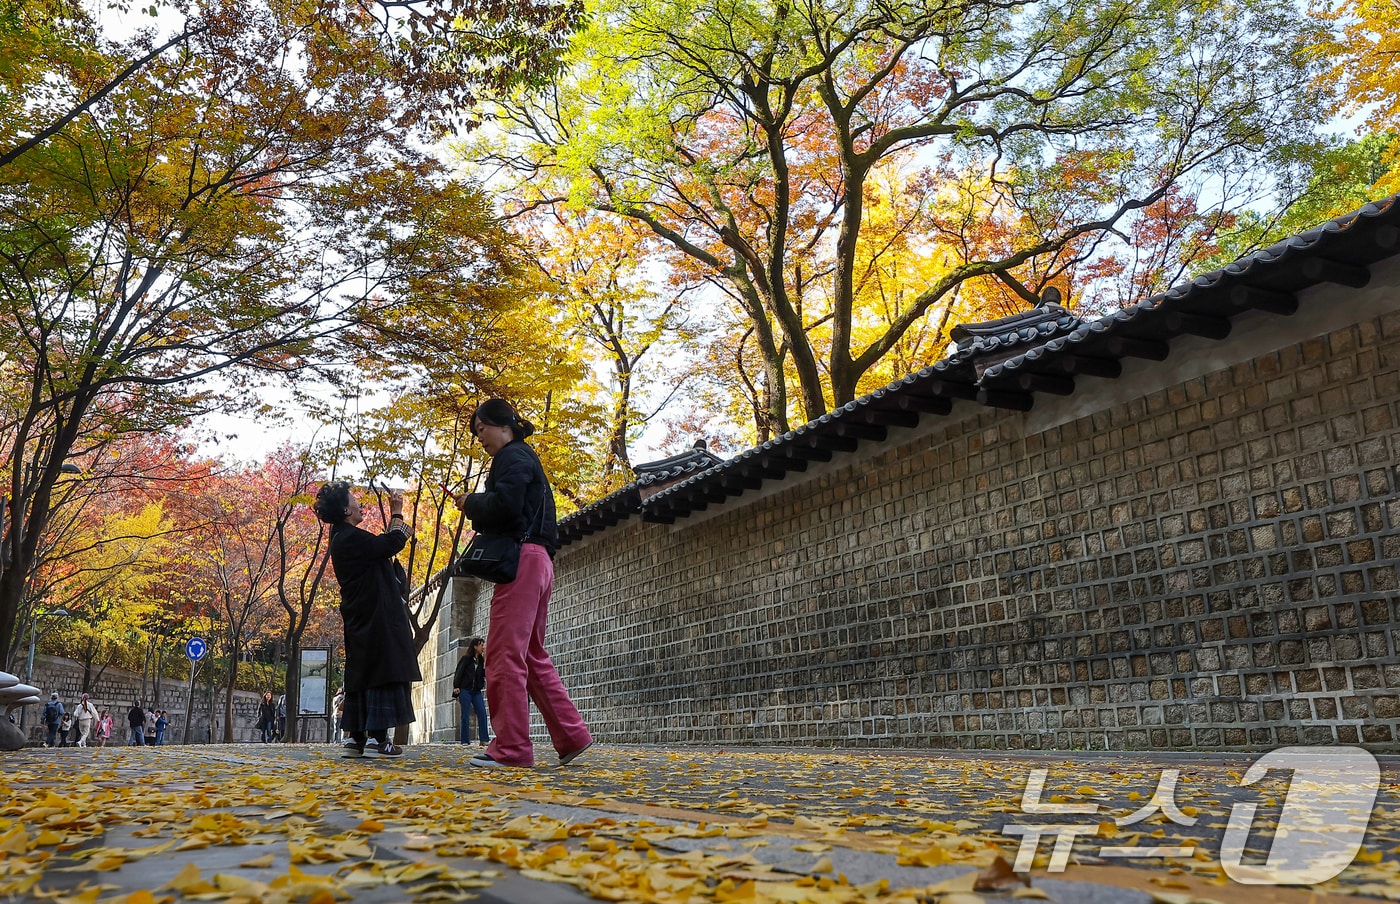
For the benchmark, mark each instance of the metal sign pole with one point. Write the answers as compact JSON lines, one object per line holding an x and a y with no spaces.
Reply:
{"x":195,"y":649}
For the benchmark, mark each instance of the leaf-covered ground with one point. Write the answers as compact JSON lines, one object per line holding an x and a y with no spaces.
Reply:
{"x":255,"y":823}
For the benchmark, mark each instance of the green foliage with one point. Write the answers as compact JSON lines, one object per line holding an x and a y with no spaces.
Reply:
{"x":749,"y":135}
{"x":1336,"y":180}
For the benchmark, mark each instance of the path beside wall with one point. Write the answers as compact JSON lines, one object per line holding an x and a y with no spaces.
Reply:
{"x":115,"y":691}
{"x":1203,"y":554}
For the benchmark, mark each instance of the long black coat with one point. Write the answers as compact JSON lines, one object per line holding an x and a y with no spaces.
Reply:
{"x":379,"y":646}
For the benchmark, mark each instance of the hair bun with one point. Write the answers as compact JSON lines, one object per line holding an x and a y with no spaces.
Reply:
{"x":500,"y":413}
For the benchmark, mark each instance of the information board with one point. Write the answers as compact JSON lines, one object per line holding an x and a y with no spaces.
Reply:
{"x":315,"y":671}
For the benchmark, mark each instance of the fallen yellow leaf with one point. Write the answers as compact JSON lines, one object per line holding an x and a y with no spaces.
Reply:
{"x":262,"y":862}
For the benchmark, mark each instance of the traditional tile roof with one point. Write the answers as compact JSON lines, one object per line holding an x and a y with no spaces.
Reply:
{"x":1005,"y":363}
{"x":993,"y":341}
{"x":691,"y":461}
{"x":652,"y":477}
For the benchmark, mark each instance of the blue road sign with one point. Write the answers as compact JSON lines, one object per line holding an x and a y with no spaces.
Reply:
{"x":195,"y":648}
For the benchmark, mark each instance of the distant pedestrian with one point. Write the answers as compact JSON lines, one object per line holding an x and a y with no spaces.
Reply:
{"x":267,"y":717}
{"x":65,"y":730}
{"x":104,"y":728}
{"x":148,"y":726}
{"x":87,"y":716}
{"x":280,"y":732}
{"x":338,"y":711}
{"x":518,"y":502}
{"x":162,"y":722}
{"x":53,"y":718}
{"x":136,"y":721}
{"x":381,"y":660}
{"x":469,"y":686}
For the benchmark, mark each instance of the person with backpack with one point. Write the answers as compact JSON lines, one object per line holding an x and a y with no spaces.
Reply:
{"x":53,"y":718}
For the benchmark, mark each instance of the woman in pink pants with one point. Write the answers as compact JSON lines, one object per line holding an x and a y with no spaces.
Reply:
{"x":518,"y":502}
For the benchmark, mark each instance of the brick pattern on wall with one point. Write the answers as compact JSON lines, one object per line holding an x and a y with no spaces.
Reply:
{"x":1213,"y":566}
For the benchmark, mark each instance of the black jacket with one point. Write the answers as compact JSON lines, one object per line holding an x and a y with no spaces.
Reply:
{"x":136,"y":717}
{"x":379,"y":646}
{"x":517,"y":500}
{"x":470,"y":674}
{"x":267,"y":714}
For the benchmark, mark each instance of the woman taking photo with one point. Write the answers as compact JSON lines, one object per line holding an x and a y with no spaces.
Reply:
{"x":381,"y":661}
{"x":519,"y":502}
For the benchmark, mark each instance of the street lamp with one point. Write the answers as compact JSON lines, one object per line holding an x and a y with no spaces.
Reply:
{"x":34,"y":635}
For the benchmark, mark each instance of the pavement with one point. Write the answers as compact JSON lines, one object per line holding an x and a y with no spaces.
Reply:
{"x":281,"y":823}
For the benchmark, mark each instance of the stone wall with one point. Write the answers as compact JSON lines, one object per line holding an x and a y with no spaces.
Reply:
{"x":439,"y":716}
{"x":1202,"y":554}
{"x":115,"y":690}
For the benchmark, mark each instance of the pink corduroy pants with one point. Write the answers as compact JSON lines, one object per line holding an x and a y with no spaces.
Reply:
{"x":518,"y":668}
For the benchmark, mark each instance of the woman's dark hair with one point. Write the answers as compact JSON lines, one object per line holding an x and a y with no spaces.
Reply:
{"x":500,"y":413}
{"x":471,"y":644}
{"x":333,"y":502}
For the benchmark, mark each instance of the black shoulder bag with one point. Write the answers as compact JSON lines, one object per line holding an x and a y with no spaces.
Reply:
{"x":494,"y":557}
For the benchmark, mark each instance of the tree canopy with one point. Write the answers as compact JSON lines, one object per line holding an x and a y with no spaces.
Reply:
{"x":756,"y":139}
{"x":1362,"y":51}
{"x":720,"y":217}
{"x":228,"y":201}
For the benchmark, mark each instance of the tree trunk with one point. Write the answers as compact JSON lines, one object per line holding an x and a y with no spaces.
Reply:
{"x":228,"y":697}
{"x":158,"y":674}
{"x":292,"y":682}
{"x":618,"y":457}
{"x":10,"y":594}
{"x":775,"y":391}
{"x":89,"y":653}
{"x":145,"y":668}
{"x":213,"y":714}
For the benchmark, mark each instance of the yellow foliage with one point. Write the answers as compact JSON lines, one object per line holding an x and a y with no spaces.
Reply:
{"x":1364,"y":63}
